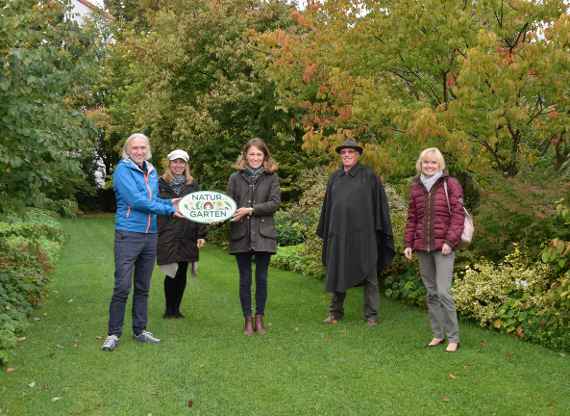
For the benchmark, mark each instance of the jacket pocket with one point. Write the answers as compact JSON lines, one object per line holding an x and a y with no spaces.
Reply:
{"x":238,"y":230}
{"x":267,"y":228}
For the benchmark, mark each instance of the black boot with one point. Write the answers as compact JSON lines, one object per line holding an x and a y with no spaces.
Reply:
{"x":169,"y":298}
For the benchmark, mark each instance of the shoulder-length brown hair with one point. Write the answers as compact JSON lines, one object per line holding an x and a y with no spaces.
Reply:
{"x":168,"y":175}
{"x":269,"y":164}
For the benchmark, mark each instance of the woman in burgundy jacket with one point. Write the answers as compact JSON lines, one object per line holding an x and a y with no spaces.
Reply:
{"x":433,"y":231}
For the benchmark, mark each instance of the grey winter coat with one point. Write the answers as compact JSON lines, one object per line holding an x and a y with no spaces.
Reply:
{"x":257,"y":232}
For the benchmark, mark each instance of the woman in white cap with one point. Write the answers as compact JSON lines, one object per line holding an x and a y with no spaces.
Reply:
{"x":179,"y":239}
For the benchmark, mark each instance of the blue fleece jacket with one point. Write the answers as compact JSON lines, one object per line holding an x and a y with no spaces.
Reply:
{"x":136,"y":194}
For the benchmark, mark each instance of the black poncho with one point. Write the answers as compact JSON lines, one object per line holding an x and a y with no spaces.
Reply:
{"x":355,"y":228}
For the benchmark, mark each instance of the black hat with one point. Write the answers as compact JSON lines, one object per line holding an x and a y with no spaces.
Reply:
{"x":349,"y":144}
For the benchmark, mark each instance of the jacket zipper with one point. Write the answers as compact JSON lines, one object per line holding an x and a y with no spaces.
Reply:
{"x":149,"y":193}
{"x":250,"y":202}
{"x":428,"y":222}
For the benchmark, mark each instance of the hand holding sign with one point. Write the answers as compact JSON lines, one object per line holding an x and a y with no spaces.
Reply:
{"x":176,"y":205}
{"x":242,"y":212}
{"x":207,"y":207}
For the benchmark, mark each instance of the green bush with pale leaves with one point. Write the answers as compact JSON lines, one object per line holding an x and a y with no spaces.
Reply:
{"x":526,"y":300}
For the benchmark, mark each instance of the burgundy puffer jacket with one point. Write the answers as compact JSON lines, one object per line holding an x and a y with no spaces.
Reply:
{"x":429,"y":223}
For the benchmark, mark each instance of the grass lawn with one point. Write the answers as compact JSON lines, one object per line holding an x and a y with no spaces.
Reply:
{"x":301,"y":367}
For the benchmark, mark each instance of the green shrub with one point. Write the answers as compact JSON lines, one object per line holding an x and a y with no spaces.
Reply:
{"x":28,"y":252}
{"x":290,"y":228}
{"x":523,"y":210}
{"x":219,"y":234}
{"x":526,"y":300}
{"x":406,"y":287}
{"x":303,"y":217}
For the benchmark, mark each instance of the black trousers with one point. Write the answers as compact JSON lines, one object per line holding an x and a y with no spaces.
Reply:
{"x":261,"y":266}
{"x":174,"y":289}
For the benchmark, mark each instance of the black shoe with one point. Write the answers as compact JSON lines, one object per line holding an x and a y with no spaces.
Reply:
{"x":178,"y":315}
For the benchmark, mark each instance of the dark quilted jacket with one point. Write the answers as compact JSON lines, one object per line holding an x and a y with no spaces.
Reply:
{"x":177,"y":237}
{"x":429,"y":223}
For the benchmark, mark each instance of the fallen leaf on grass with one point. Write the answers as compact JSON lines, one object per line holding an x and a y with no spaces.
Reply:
{"x":483,"y":344}
{"x":509,"y":356}
{"x":445,"y":398}
{"x":20,"y":339}
{"x":190,"y":403}
{"x":451,"y":376}
{"x":10,"y":370}
{"x":55,"y":399}
{"x":32,"y":384}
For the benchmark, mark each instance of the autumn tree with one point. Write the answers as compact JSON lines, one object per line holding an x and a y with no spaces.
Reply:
{"x":471,"y":77}
{"x":194,"y":80}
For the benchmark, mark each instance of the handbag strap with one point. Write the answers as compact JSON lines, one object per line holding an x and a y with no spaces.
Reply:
{"x":446,"y":196}
{"x":447,"y":199}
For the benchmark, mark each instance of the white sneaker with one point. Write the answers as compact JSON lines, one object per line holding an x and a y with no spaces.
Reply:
{"x":111,"y":342}
{"x":146,"y":337}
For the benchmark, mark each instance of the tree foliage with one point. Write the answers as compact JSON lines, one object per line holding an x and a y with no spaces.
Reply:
{"x":48,"y":65}
{"x":484,"y":80}
{"x":193,"y":78}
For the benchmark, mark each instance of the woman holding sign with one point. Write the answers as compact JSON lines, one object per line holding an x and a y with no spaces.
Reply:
{"x":255,"y":189}
{"x":179,"y":239}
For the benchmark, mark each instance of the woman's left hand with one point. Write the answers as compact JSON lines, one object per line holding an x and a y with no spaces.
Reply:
{"x":200,"y":242}
{"x":446,"y":249}
{"x":242,"y":212}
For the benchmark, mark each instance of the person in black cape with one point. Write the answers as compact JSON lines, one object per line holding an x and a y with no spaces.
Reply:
{"x":357,"y":233}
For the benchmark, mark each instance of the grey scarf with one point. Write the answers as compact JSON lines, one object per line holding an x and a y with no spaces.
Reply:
{"x":429,"y":181}
{"x":253,"y":174}
{"x":177,"y":183}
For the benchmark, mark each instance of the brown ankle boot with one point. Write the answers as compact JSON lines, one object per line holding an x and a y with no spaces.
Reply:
{"x":248,"y":326}
{"x":259,"y":325}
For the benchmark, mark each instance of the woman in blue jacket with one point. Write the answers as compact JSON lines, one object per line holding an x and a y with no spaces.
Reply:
{"x":135,"y":182}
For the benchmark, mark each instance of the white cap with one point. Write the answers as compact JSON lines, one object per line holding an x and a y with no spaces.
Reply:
{"x":178,"y":154}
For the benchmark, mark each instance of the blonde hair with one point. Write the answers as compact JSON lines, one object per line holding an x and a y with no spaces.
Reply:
{"x":268,"y":163}
{"x":132,"y":137}
{"x":438,"y":157}
{"x":168,"y":175}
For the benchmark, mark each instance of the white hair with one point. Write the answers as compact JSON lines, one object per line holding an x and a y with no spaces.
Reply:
{"x":132,"y":137}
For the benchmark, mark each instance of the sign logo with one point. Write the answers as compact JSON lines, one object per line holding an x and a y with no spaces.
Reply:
{"x":207,"y":207}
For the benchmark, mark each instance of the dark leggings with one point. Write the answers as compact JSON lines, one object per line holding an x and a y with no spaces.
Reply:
{"x":174,"y":289}
{"x":244,"y":261}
